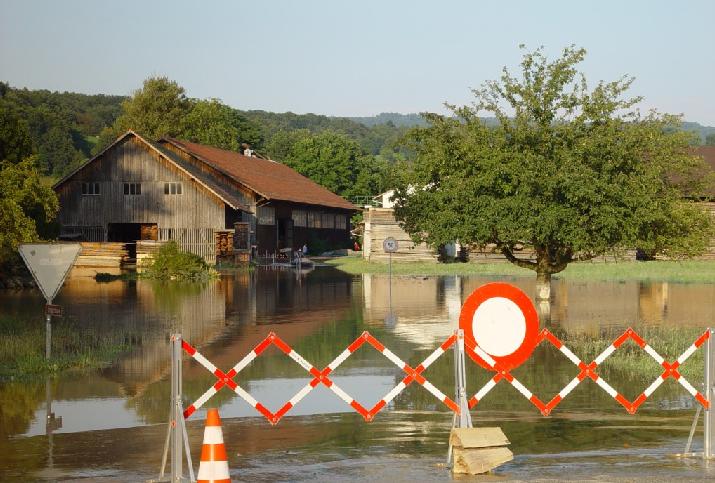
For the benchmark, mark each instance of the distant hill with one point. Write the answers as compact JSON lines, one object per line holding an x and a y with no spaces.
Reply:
{"x":414,"y":119}
{"x":399,"y":120}
{"x":698,"y":128}
{"x":64,"y":126}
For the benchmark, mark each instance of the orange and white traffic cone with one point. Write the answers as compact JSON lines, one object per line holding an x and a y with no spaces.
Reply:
{"x":214,"y":465}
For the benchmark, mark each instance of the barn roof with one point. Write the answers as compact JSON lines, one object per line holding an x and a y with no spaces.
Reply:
{"x":189,"y":170}
{"x":270,"y":179}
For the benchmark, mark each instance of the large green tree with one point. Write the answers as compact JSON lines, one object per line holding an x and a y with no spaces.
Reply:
{"x":161,"y":108}
{"x":570,"y":171}
{"x":158,"y":109}
{"x":26,"y":205}
{"x":15,"y":141}
{"x":216,"y":124}
{"x":339,"y":163}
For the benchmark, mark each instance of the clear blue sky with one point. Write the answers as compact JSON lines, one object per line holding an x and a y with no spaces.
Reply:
{"x":354,"y":58}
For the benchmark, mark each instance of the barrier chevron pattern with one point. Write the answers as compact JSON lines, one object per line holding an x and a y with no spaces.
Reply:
{"x":415,"y":374}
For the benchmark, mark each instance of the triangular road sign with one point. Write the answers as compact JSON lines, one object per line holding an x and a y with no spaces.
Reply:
{"x":49,"y":264}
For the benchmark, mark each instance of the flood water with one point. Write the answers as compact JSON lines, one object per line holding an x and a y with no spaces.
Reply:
{"x":113,"y":420}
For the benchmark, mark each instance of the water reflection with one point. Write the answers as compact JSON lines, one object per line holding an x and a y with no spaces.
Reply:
{"x":318,"y":314}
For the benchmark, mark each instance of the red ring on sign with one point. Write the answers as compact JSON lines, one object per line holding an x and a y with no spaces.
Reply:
{"x":531,"y":319}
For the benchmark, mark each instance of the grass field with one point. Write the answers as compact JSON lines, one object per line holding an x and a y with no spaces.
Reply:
{"x":22,"y":348}
{"x":689,"y":271}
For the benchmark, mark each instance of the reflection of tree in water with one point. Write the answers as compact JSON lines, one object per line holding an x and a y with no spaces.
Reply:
{"x":318,"y":348}
{"x":169,"y":296}
{"x":18,"y":403}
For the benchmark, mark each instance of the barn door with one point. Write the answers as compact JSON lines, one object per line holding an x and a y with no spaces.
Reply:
{"x":289,"y":233}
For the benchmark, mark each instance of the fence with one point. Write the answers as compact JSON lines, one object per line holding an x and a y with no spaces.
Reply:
{"x":461,"y":404}
{"x":199,"y":241}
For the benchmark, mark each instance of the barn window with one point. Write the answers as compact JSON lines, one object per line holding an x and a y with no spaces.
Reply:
{"x":90,"y":189}
{"x":340,"y":223}
{"x":132,"y":188}
{"x":172,"y":189}
{"x":313,"y":219}
{"x":327,"y":220}
{"x":299,"y":218}
{"x":266,"y":215}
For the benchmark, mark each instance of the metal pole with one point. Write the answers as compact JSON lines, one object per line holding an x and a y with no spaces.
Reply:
{"x":464,"y":419}
{"x":709,"y":436}
{"x":48,"y":334}
{"x":390,"y":279}
{"x":177,"y":445}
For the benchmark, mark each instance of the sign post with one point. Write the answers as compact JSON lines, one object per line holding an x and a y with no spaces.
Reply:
{"x":389,"y":245}
{"x":49,"y":265}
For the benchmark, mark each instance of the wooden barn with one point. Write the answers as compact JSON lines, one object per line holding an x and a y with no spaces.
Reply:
{"x":138,"y":190}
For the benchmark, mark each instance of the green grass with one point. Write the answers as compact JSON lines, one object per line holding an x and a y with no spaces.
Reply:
{"x":629,"y":358}
{"x":22,"y":348}
{"x":692,"y":271}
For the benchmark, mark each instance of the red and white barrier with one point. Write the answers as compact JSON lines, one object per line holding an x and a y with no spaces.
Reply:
{"x":484,"y":360}
{"x":588,"y":371}
{"x":319,"y":376}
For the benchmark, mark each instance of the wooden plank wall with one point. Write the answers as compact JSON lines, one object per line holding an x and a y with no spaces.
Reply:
{"x":190,"y":218}
{"x":131,"y":161}
{"x":709,"y":206}
{"x":380,"y":224}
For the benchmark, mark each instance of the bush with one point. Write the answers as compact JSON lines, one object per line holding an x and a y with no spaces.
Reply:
{"x":172,"y":263}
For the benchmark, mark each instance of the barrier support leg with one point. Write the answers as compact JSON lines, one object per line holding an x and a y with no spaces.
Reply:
{"x":464,"y":418}
{"x":709,"y":433}
{"x":177,"y":443}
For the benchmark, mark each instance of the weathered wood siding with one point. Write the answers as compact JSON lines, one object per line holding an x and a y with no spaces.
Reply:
{"x":709,"y":206}
{"x":189,"y":218}
{"x":380,"y":224}
{"x":248,"y":197}
{"x":131,"y":162}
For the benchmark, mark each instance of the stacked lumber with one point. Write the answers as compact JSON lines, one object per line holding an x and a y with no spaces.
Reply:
{"x":102,"y":254}
{"x":224,"y":243}
{"x":146,"y":250}
{"x":380,"y":224}
{"x":478,"y":450}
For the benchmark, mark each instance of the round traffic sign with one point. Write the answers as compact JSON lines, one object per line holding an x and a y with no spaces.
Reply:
{"x":389,"y":245}
{"x":502,"y":321}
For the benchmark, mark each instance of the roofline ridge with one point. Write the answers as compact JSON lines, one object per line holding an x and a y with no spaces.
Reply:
{"x":151,"y":145}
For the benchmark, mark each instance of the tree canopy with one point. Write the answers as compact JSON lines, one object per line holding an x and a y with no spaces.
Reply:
{"x":26,"y":206}
{"x":59,"y":128}
{"x":338,"y":163}
{"x":161,"y":108}
{"x":569,"y":171}
{"x":215,"y":124}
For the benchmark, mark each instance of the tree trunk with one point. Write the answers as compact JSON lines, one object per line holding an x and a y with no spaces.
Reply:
{"x":543,"y":286}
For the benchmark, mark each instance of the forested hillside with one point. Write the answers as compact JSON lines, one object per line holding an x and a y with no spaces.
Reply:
{"x":64,"y":129}
{"x":61,"y":128}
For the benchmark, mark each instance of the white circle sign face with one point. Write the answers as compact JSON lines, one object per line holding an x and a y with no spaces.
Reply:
{"x":389,"y":245}
{"x":499,"y":326}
